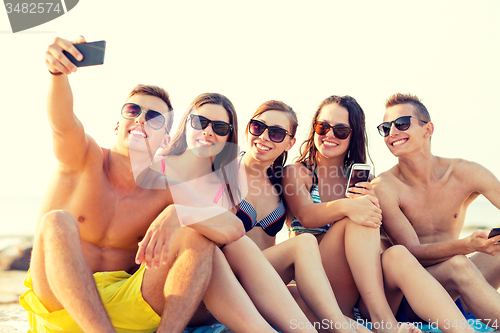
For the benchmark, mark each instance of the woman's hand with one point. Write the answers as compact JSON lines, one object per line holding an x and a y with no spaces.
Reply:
{"x":365,"y":210}
{"x":361,"y":189}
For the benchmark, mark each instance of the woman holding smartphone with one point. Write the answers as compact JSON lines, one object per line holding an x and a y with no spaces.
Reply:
{"x":270,"y":135}
{"x":347,"y":229}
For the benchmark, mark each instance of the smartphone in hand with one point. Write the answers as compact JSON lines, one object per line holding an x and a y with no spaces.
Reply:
{"x":494,"y":232}
{"x":93,"y":54}
{"x":359,"y":173}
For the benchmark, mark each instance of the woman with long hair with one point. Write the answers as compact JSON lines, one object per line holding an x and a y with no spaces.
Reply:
{"x":273,"y":121}
{"x":203,"y":153}
{"x":347,"y":229}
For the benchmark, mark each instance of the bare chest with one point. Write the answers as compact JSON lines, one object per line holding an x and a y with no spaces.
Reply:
{"x":437,"y":211}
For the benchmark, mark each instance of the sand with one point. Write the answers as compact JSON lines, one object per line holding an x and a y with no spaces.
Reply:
{"x":12,"y":315}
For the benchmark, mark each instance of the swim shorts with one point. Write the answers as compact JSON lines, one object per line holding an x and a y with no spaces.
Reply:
{"x":121,"y":295}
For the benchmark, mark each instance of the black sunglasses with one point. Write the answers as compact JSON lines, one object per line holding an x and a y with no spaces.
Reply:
{"x":221,"y":128}
{"x":402,"y":124}
{"x":276,"y":134}
{"x":341,"y":131}
{"x":154,"y":118}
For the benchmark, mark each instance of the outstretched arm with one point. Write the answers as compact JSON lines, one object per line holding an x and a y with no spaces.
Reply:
{"x":70,"y":141}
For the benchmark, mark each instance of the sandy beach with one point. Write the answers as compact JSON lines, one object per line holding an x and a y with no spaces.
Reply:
{"x":12,"y":315}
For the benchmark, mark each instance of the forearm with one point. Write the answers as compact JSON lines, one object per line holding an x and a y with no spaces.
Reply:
{"x":320,"y":214}
{"x":429,"y":254}
{"x":60,"y":103}
{"x":215,"y":223}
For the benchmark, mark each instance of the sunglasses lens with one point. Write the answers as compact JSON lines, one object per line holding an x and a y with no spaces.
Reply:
{"x":321,"y":128}
{"x":130,"y":111}
{"x":341,"y":132}
{"x":276,"y":134}
{"x":199,"y":122}
{"x":220,"y":128}
{"x":155,"y":119}
{"x":384,"y":129}
{"x":403,"y":123}
{"x":256,"y":127}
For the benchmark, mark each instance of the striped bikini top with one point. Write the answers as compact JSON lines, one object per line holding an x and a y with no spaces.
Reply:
{"x":271,"y":224}
{"x":296,"y":225}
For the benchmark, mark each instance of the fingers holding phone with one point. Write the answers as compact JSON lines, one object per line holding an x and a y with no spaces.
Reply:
{"x":58,"y":63}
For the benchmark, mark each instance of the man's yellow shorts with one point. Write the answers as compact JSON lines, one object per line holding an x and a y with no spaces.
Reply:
{"x":121,"y":294}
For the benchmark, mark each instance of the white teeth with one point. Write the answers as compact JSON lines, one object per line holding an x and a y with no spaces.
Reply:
{"x":399,"y":142}
{"x":138,"y":133}
{"x":261,"y":147}
{"x":206,"y":143}
{"x":330,"y":144}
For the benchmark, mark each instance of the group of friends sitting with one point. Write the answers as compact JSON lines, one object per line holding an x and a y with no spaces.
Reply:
{"x":167,"y":230}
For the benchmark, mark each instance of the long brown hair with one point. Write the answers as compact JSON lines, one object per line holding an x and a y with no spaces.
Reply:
{"x":275,"y":171}
{"x":356,"y":152}
{"x":222,"y":162}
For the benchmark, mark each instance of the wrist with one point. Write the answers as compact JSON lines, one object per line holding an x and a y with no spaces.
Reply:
{"x":55,"y":73}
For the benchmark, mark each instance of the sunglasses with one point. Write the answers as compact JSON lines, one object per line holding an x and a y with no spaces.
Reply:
{"x":154,"y":118}
{"x":402,"y":124}
{"x":221,"y":128}
{"x":276,"y":134}
{"x":341,"y":131}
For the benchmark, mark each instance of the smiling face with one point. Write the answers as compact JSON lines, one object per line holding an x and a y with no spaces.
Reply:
{"x":328,"y":145}
{"x":402,"y":142}
{"x":205,"y":142}
{"x":261,"y":147}
{"x":136,"y":133}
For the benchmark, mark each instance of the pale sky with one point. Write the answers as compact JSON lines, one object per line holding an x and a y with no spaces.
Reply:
{"x":446,"y":52}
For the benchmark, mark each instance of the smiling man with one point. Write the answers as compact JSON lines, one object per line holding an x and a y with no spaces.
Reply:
{"x":109,"y":252}
{"x":424,"y":199}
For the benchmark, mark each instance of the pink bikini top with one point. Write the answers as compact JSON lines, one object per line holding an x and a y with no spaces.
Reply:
{"x":219,"y":192}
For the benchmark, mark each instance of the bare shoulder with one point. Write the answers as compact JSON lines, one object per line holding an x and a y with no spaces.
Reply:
{"x":297,"y":171}
{"x":461,"y":168}
{"x":387,"y":180}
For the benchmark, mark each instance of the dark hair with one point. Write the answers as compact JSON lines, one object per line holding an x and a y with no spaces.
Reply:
{"x":156,"y":91}
{"x":275,"y":171}
{"x":222,"y":161}
{"x":356,"y":152}
{"x":420,"y":108}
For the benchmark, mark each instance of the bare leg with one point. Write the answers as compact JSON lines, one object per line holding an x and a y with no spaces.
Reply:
{"x":174,"y":290}
{"x":229,"y":303}
{"x":489,"y":266}
{"x":403,"y":274}
{"x":349,"y":247}
{"x":300,"y":257}
{"x":61,"y":276}
{"x":264,"y":286}
{"x":460,"y":277}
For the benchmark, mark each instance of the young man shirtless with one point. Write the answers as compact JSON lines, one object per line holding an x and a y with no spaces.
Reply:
{"x":424,"y":199}
{"x":86,"y":273}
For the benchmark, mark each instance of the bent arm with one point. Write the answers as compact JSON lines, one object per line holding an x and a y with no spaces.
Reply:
{"x":400,"y":230}
{"x":296,"y":186}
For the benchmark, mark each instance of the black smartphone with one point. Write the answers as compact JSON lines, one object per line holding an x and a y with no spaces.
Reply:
{"x":359,"y":173}
{"x":93,"y":54}
{"x":494,"y":232}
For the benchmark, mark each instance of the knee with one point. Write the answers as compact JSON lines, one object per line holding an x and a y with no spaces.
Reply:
{"x":461,"y":268}
{"x":57,"y":224}
{"x":197,"y":242}
{"x":306,"y":242}
{"x":398,"y":256}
